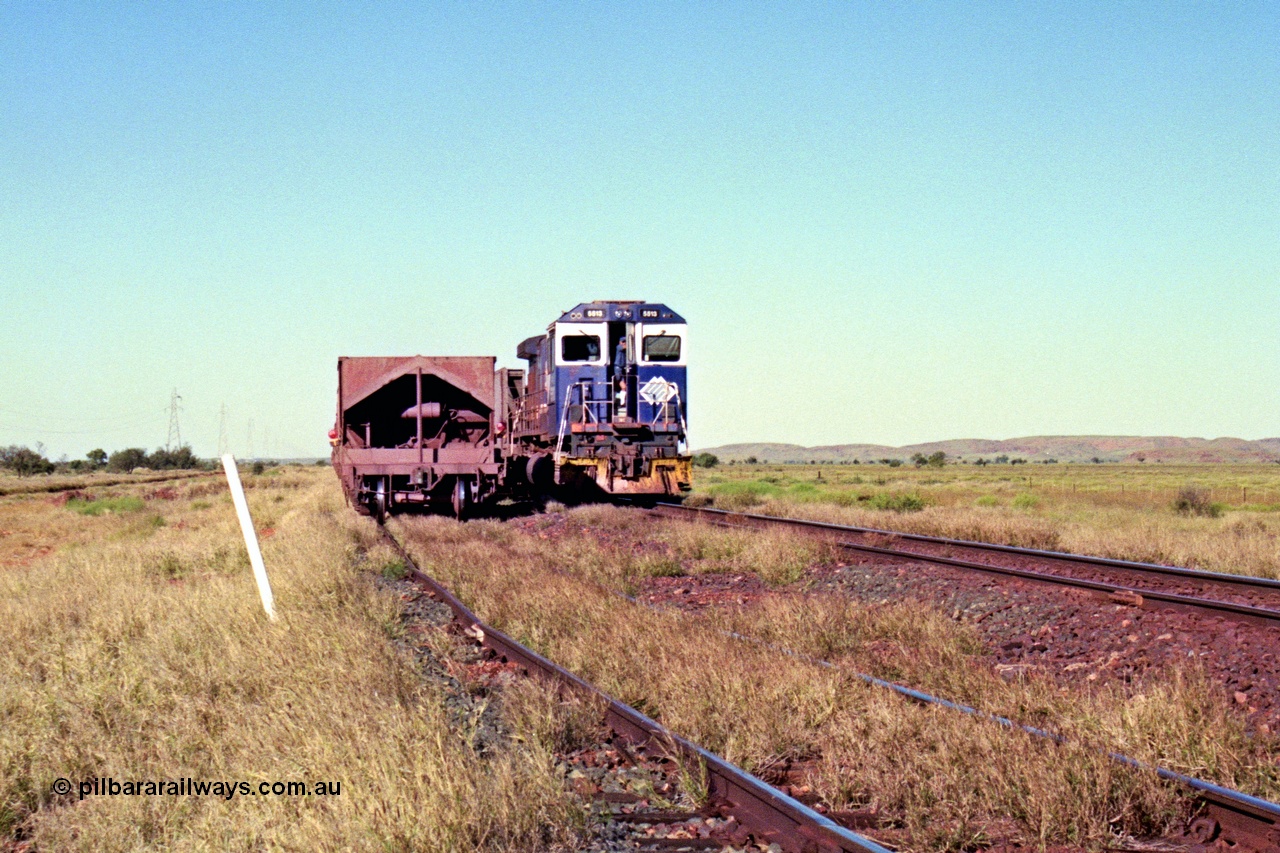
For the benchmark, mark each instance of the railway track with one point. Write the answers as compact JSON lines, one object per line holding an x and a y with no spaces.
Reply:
{"x":1230,"y":820}
{"x":92,"y":483}
{"x":762,"y":812}
{"x":1243,"y":598}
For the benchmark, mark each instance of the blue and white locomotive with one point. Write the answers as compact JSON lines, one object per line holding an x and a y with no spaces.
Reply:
{"x":603,"y":404}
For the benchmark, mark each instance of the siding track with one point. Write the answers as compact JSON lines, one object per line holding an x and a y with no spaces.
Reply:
{"x":763,"y":811}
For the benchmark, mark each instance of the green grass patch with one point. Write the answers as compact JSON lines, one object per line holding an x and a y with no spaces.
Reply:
{"x":395,"y":570}
{"x":988,"y":500}
{"x":1025,"y":501}
{"x":659,"y":566}
{"x":128,"y":503}
{"x":906,"y":502}
{"x":743,"y":493}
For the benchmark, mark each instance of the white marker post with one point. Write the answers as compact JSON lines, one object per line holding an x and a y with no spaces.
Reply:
{"x":250,"y":535}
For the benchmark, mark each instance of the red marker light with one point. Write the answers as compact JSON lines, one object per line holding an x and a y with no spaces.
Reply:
{"x":499,"y":428}
{"x":333,"y":433}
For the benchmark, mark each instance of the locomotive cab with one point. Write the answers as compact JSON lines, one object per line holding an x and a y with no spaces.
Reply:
{"x":606,"y":398}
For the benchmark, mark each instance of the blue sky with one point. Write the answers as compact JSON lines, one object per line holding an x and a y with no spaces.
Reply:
{"x":885,"y":222}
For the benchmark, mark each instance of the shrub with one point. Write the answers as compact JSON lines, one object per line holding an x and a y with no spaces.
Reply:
{"x":24,"y":461}
{"x":177,"y":458}
{"x":896,"y":503}
{"x":1026,"y":501}
{"x":1194,"y":501}
{"x":988,"y":500}
{"x":124,"y":461}
{"x":705,"y":460}
{"x":934,"y":460}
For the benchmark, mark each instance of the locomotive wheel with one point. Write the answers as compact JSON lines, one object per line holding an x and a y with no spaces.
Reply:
{"x":461,"y":497}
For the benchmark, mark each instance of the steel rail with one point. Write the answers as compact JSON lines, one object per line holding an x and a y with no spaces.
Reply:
{"x":763,"y":810}
{"x":1108,"y":562}
{"x":1241,"y":818}
{"x":1244,"y":612}
{"x":1260,"y":817}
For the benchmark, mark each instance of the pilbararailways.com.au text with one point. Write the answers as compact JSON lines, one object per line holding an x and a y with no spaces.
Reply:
{"x":188,"y":787}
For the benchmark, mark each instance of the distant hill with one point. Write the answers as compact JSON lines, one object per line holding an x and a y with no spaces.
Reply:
{"x":1064,"y":448}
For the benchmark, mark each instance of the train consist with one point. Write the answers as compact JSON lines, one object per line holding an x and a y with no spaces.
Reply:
{"x":599,"y":411}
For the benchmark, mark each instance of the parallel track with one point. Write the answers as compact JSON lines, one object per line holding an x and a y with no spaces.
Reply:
{"x":1253,"y":600}
{"x":102,"y":483}
{"x":1236,"y":821}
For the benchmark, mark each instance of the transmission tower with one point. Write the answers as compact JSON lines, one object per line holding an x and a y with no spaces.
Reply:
{"x":175,"y":435}
{"x":222,"y":431}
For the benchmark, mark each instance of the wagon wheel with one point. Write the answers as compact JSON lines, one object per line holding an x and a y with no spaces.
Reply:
{"x":379,"y":501}
{"x":460,"y":498}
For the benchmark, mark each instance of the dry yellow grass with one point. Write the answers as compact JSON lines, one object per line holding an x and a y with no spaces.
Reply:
{"x":1125,"y":512}
{"x":145,"y":656}
{"x":946,"y":778}
{"x":14,"y":485}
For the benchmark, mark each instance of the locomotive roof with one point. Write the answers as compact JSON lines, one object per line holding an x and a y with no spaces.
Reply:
{"x":629,"y":310}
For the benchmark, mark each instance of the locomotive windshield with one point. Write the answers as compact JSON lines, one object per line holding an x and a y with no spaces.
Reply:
{"x":661,"y":348}
{"x":580,"y":348}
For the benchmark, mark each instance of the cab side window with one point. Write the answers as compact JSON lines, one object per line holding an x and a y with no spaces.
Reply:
{"x":580,"y":348}
{"x":661,"y":348}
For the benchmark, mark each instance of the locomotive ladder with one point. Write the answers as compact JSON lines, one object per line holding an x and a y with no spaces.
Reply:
{"x":564,"y":417}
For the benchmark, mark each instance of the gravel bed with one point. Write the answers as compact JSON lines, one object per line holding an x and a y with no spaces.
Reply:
{"x":1235,"y":593}
{"x":1077,"y":637}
